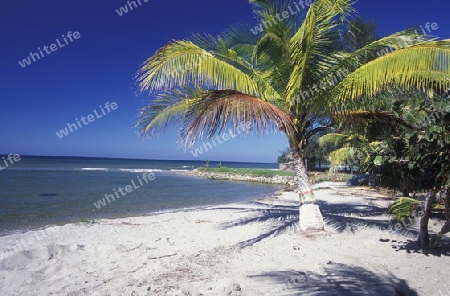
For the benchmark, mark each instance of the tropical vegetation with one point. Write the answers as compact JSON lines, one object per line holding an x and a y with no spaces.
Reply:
{"x":410,"y":150}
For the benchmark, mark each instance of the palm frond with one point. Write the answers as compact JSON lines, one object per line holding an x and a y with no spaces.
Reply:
{"x":219,"y":109}
{"x":261,"y":5}
{"x":338,"y":139}
{"x":403,"y":208}
{"x":390,"y":43}
{"x":183,"y":63}
{"x":341,"y":156}
{"x":164,"y":110}
{"x":419,"y":66}
{"x":313,"y":42}
{"x":272,"y":57}
{"x":333,"y":138}
{"x":345,"y":62}
{"x":240,"y":38}
{"x":271,"y":54}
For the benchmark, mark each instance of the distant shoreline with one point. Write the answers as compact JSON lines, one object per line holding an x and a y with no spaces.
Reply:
{"x":270,"y":176}
{"x":277,"y":179}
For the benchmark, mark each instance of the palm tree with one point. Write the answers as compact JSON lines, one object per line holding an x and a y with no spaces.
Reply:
{"x":289,"y":78}
{"x":347,"y":148}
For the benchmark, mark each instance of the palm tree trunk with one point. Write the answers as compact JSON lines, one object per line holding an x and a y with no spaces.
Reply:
{"x":447,"y":204}
{"x":310,"y":217}
{"x":305,"y":191}
{"x":405,"y":183}
{"x":424,"y":237}
{"x":446,"y":228}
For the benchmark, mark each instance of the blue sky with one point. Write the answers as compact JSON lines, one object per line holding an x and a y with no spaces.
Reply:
{"x":77,"y":78}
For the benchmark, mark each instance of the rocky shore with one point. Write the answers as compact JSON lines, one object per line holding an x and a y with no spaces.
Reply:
{"x":281,"y":180}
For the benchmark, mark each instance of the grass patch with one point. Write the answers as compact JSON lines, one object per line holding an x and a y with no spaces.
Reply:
{"x":86,"y":221}
{"x":247,"y":171}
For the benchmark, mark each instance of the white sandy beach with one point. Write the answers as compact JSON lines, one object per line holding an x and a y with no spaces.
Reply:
{"x":251,"y":248}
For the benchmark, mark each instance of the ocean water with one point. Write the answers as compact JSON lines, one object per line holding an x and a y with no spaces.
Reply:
{"x":40,"y":191}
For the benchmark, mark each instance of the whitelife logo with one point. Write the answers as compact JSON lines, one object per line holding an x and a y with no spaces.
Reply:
{"x":302,"y":5}
{"x":12,"y":160}
{"x":131,"y":5}
{"x":242,"y":128}
{"x":429,"y":27}
{"x":90,"y":118}
{"x":147,"y":177}
{"x":34,"y":56}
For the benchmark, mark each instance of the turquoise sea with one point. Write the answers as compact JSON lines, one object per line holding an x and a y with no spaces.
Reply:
{"x":38,"y":191}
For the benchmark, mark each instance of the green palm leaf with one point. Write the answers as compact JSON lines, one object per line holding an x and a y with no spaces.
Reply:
{"x":418,"y":66}
{"x":183,"y":63}
{"x":341,"y":156}
{"x":333,"y":138}
{"x":403,"y":208}
{"x":313,"y":42}
{"x":166,"y":109}
{"x":338,"y":139}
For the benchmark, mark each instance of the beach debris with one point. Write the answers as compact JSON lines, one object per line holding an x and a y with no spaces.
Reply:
{"x":137,"y":247}
{"x":234,"y":289}
{"x":163,"y":256}
{"x":203,"y":221}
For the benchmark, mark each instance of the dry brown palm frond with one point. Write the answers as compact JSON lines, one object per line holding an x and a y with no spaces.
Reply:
{"x":219,"y":109}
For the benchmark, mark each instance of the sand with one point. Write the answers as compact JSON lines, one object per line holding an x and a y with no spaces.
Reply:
{"x":249,"y":248}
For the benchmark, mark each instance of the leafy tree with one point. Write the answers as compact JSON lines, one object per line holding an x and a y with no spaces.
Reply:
{"x":418,"y":154}
{"x":430,"y":151}
{"x":288,"y":79}
{"x":283,"y":158}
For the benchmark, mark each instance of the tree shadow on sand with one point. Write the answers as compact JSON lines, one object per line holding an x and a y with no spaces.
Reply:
{"x":334,"y":279}
{"x":278,"y":219}
{"x":274,"y":219}
{"x":413,"y":247}
{"x":351,"y":216}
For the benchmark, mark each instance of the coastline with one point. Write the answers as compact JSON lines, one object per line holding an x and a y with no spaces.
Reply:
{"x":278,"y":180}
{"x":69,"y":191}
{"x":244,"y":248}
